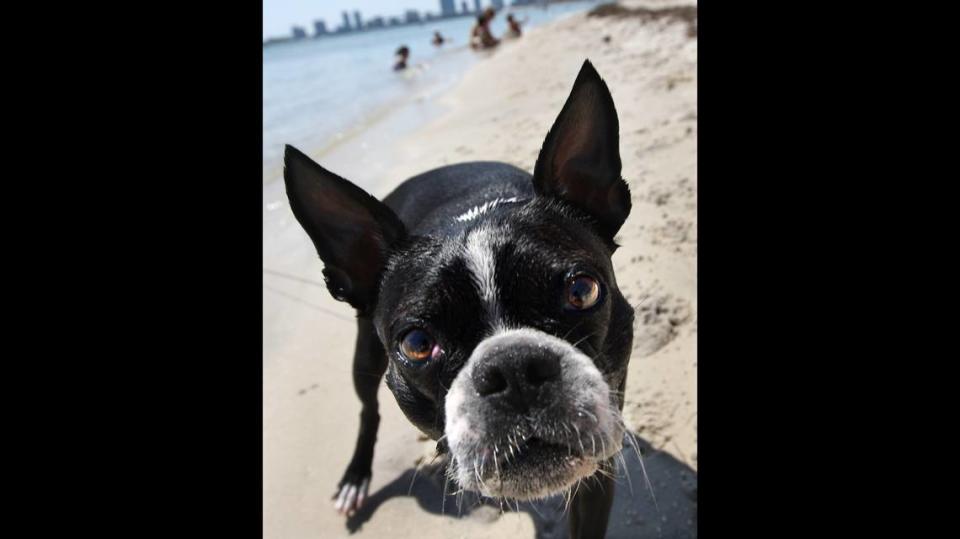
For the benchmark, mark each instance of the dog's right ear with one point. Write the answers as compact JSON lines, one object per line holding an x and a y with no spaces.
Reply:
{"x":352,"y":231}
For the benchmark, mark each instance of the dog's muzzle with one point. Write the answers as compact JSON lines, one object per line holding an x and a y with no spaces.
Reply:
{"x":528,"y":416}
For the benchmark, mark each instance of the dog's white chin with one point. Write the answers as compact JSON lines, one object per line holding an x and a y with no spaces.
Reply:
{"x":543,"y":485}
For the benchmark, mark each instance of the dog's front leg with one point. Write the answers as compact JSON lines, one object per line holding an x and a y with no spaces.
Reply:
{"x":369,"y":364}
{"x":590,"y":508}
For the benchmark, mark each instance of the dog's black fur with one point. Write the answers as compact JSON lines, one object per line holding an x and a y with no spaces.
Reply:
{"x":471,"y":251}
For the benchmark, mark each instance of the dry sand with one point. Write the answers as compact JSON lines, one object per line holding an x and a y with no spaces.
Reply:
{"x":501,"y":111}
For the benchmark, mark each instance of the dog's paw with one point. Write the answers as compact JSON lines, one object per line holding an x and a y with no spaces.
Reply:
{"x":351,"y":493}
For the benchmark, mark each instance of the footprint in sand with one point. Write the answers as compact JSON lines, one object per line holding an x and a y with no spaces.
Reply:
{"x":661,"y":194}
{"x":674,"y":232}
{"x":657,"y":320}
{"x":305,"y":390}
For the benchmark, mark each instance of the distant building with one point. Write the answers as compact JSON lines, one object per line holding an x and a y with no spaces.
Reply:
{"x":447,"y":8}
{"x":346,"y":22}
{"x":476,"y":6}
{"x":463,"y":7}
{"x":412,"y":16}
{"x":358,"y":19}
{"x":319,"y":28}
{"x":395,"y":21}
{"x":376,"y":22}
{"x":497,"y":4}
{"x":299,"y":32}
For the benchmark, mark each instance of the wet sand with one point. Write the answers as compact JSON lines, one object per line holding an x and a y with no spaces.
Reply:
{"x":501,"y":111}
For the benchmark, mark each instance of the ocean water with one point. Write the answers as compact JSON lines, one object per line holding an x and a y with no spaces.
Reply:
{"x":321,"y":93}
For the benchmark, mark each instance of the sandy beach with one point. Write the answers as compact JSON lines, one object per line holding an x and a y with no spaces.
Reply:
{"x":501,"y":111}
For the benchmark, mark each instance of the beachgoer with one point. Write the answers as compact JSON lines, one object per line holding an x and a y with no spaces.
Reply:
{"x":402,"y":54}
{"x":437,"y":39}
{"x":475,"y":41}
{"x":480,"y":37}
{"x":514,"y":30}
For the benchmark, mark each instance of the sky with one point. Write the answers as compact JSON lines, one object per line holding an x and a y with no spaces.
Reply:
{"x":279,"y":16}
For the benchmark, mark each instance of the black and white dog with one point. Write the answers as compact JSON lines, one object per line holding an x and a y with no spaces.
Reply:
{"x":488,"y":298}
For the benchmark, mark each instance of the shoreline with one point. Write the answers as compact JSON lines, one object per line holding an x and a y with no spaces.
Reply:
{"x":427,"y":81}
{"x":310,"y":410}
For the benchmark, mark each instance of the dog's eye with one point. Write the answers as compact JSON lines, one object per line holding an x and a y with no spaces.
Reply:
{"x":583,"y":292}
{"x":417,"y":345}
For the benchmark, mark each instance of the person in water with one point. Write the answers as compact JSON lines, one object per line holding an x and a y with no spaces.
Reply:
{"x":402,"y":54}
{"x":514,"y":30}
{"x":481,"y":37}
{"x":437,"y":39}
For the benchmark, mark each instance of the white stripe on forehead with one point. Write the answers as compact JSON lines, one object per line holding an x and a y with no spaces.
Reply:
{"x":477,"y":211}
{"x":480,"y":260}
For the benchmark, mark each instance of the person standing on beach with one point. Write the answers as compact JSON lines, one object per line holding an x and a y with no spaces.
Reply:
{"x":437,"y":39}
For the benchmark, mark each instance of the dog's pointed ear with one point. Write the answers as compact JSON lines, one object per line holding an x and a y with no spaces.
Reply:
{"x":352,"y":231}
{"x":580,"y":158}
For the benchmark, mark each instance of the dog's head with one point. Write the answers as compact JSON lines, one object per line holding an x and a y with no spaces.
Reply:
{"x":508,"y":343}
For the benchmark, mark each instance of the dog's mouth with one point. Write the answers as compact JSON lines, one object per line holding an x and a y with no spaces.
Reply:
{"x":556,"y":460}
{"x":535,"y":460}
{"x":517,"y":456}
{"x":525,"y":468}
{"x":538,"y":448}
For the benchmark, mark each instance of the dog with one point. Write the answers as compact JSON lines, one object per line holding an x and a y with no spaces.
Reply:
{"x":488,"y":299}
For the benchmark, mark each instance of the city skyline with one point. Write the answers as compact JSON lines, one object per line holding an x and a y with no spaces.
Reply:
{"x":281,"y":16}
{"x":353,"y":21}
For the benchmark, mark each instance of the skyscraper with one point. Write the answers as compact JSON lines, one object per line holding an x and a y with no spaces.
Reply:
{"x":497,"y":4}
{"x":463,"y":7}
{"x":359,"y":20}
{"x":319,"y":28}
{"x":346,"y":21}
{"x":476,"y":6}
{"x":447,"y":8}
{"x":299,"y":33}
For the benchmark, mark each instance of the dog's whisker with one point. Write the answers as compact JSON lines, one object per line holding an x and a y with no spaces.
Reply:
{"x":443,"y":499}
{"x":585,"y":338}
{"x":416,"y":471}
{"x":578,"y":324}
{"x":579,"y":438}
{"x":626,"y":472}
{"x":643,"y":468}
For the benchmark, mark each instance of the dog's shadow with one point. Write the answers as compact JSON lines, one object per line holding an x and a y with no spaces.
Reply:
{"x":671,"y":512}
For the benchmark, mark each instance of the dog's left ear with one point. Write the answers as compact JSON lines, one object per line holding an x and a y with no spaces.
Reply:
{"x":580,"y":158}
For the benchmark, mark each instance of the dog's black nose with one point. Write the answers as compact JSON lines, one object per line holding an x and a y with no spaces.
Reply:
{"x":518,"y":376}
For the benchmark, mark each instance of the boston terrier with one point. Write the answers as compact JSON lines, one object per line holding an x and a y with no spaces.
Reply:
{"x":488,"y":298}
